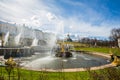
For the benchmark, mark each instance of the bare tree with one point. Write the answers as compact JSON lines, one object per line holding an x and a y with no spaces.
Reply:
{"x":115,"y":34}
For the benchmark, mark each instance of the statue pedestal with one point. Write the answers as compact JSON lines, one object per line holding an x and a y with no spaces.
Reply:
{"x":64,"y":54}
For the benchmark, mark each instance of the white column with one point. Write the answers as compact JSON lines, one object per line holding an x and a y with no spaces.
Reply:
{"x":0,"y":42}
{"x":119,"y":42}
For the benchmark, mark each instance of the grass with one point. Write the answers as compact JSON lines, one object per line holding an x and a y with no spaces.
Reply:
{"x":43,"y":75}
{"x":76,"y":44}
{"x":104,"y":74}
{"x":84,"y":47}
{"x":105,"y":50}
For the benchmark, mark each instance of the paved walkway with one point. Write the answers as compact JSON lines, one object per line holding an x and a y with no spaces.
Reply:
{"x":73,"y":69}
{"x":101,"y":54}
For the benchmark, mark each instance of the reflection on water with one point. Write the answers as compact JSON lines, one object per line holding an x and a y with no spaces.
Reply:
{"x":65,"y":60}
{"x":48,"y":61}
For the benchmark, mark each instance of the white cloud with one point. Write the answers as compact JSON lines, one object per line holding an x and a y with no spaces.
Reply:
{"x":38,"y":14}
{"x":50,"y":16}
{"x":85,"y":28}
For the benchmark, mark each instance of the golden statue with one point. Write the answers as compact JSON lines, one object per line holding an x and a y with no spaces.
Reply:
{"x":63,"y":52}
{"x":10,"y":62}
{"x":62,"y":48}
{"x":114,"y":59}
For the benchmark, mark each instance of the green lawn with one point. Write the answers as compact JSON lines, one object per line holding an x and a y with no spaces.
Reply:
{"x":43,"y":75}
{"x":21,"y":74}
{"x":105,"y":50}
{"x":77,"y":44}
{"x":84,"y":47}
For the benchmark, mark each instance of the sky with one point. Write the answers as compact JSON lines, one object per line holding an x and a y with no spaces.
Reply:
{"x":86,"y":18}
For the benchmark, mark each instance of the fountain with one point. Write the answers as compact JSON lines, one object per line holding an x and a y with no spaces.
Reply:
{"x":50,"y":59}
{"x":6,"y":38}
{"x":63,"y":51}
{"x":35,"y":42}
{"x":17,"y":39}
{"x":64,"y":48}
{"x":63,"y":58}
{"x":44,"y":60}
{"x":11,"y":50}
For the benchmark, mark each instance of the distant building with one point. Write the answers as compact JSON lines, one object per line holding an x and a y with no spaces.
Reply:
{"x":27,"y":34}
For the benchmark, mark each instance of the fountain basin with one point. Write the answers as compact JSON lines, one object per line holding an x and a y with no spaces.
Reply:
{"x":78,"y":60}
{"x":16,"y":52}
